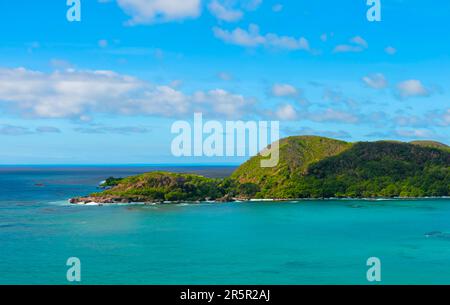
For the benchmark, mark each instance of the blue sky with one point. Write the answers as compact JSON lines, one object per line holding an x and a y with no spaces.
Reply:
{"x":107,"y":89}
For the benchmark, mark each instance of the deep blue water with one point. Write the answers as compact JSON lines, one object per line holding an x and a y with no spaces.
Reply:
{"x":307,"y":242}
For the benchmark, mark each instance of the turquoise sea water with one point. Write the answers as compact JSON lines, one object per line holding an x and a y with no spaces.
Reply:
{"x":307,"y":242}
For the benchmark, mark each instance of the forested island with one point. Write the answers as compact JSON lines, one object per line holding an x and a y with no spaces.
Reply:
{"x":310,"y":167}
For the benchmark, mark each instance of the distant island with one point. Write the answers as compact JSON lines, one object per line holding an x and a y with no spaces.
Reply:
{"x":310,"y":167}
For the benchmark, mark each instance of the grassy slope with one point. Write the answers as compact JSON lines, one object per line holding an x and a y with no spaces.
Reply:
{"x":431,"y":144}
{"x":296,"y":154}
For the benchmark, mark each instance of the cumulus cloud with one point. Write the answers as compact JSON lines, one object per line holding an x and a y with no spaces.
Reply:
{"x":221,"y":102}
{"x":284,"y":90}
{"x":375,"y":81}
{"x":415,"y":133}
{"x":358,"y":40}
{"x":61,"y":94}
{"x":411,"y":88}
{"x":151,"y":11}
{"x":286,"y":113}
{"x":446,"y":118}
{"x":434,"y":118}
{"x":439,"y":118}
{"x":251,"y":5}
{"x":357,"y":44}
{"x":11,"y":130}
{"x":222,"y":12}
{"x":410,"y":120}
{"x":338,"y":134}
{"x":47,"y":129}
{"x":114,"y":130}
{"x":253,"y":38}
{"x":338,"y":97}
{"x":157,"y":11}
{"x":81,"y":94}
{"x":333,"y":115}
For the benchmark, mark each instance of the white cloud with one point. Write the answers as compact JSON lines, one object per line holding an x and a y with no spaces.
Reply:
{"x":375,"y":81}
{"x":253,"y":38}
{"x":446,"y":118}
{"x":410,"y":120}
{"x":150,"y":11}
{"x":81,"y":94}
{"x":284,"y":90}
{"x":435,"y":118}
{"x":251,"y":5}
{"x":220,"y":11}
{"x":61,"y":94}
{"x":125,"y":130}
{"x":47,"y":129}
{"x":415,"y":133}
{"x":286,"y":112}
{"x":412,"y":88}
{"x":332,"y":115}
{"x":339,"y":134}
{"x":250,"y":38}
{"x":222,"y":102}
{"x":357,"y":44}
{"x":11,"y":130}
{"x":358,"y":40}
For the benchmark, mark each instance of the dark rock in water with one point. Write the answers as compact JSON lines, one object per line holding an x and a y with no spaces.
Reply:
{"x":438,"y":234}
{"x":433,"y":233}
{"x":357,"y":206}
{"x":99,"y":200}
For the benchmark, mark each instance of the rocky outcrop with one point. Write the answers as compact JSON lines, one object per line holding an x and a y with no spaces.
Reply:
{"x":99,"y":200}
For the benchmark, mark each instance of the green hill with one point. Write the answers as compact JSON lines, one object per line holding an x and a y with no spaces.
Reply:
{"x":296,"y":154}
{"x":158,"y":187}
{"x":309,"y":167}
{"x":432,"y":144}
{"x":315,"y":167}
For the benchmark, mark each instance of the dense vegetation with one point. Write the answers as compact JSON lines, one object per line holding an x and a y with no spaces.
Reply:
{"x":309,"y":167}
{"x":296,"y":154}
{"x":379,"y":169}
{"x":110,"y":182}
{"x":162,"y":186}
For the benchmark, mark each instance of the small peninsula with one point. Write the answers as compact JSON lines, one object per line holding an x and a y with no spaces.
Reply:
{"x":310,"y":167}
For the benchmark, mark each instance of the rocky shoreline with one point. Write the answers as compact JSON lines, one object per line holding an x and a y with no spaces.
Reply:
{"x":108,"y":200}
{"x":121,"y":200}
